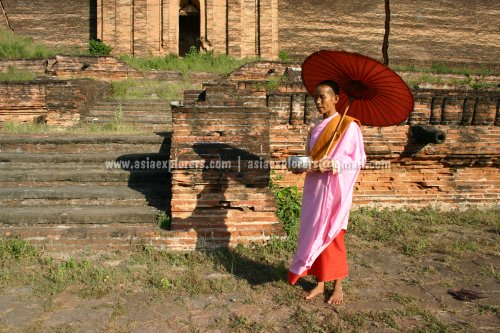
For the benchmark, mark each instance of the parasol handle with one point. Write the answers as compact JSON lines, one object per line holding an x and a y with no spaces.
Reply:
{"x":338,"y":125}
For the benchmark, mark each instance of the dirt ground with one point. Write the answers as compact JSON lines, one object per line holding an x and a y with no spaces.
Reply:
{"x":396,"y":286}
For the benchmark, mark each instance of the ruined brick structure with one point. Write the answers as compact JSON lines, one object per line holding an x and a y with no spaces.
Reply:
{"x":52,"y":102}
{"x":424,"y":32}
{"x":54,"y":23}
{"x":239,"y":27}
{"x":462,"y":171}
{"x":225,"y":206}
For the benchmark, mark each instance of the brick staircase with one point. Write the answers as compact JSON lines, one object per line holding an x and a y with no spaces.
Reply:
{"x":57,"y":190}
{"x":66,"y":192}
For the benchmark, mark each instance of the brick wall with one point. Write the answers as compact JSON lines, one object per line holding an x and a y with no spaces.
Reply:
{"x":227,"y":207}
{"x":401,"y":172}
{"x":55,"y":22}
{"x":231,"y":204}
{"x":455,"y":31}
{"x":51,"y":102}
{"x":241,"y":28}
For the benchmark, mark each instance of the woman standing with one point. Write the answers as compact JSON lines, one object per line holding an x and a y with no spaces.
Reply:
{"x":327,"y":195}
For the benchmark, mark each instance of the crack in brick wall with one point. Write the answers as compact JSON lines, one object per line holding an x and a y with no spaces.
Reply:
{"x":5,"y":16}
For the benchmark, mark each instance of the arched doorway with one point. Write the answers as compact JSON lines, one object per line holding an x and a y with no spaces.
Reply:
{"x":189,"y":25}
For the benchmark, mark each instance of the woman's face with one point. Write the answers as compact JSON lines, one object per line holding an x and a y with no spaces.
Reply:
{"x":325,"y":100}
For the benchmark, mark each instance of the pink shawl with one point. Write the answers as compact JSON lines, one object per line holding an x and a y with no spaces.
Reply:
{"x":327,"y":197}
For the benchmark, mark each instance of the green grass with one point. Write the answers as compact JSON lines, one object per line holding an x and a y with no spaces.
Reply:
{"x":11,"y":248}
{"x":411,"y":231}
{"x":15,"y":74}
{"x":270,"y":85}
{"x":192,"y":62}
{"x":149,"y":89}
{"x":14,"y":46}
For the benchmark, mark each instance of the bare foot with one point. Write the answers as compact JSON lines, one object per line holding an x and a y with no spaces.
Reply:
{"x":319,"y":289}
{"x":337,"y":295}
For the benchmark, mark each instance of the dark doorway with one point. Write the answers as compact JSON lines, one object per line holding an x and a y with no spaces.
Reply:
{"x":189,"y":26}
{"x":92,"y":19}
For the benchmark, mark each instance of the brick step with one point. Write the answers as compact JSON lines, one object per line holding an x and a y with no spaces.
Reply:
{"x":142,"y":195}
{"x":74,"y":192}
{"x":78,"y":139}
{"x":153,"y":120}
{"x":137,"y":111}
{"x":133,"y":102}
{"x":77,"y":214}
{"x":95,"y":236}
{"x":71,"y":239}
{"x":80,"y":148}
{"x":222,"y":110}
{"x":218,"y":113}
{"x":56,"y":159}
{"x":53,"y":173}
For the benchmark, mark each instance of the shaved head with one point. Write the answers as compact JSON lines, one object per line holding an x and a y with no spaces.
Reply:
{"x":332,"y":85}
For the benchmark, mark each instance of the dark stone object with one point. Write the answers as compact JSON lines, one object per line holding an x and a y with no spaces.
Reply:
{"x":427,"y":134}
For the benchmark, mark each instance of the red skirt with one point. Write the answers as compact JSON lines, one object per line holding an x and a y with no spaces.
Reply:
{"x":330,"y":265}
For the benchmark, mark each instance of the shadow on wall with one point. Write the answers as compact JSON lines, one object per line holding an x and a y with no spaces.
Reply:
{"x":149,"y":174}
{"x":215,"y":200}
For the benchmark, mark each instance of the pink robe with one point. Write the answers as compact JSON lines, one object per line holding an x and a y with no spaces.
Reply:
{"x":327,"y":197}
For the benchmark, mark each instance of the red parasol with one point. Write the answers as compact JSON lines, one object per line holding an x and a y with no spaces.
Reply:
{"x":378,"y":96}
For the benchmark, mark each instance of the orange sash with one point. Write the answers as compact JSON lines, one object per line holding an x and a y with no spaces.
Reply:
{"x":319,"y":149}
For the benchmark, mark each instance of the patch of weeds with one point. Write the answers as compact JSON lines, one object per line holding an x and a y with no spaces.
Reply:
{"x":286,"y":296}
{"x":385,"y":317}
{"x":84,"y":128}
{"x":64,"y":328}
{"x":486,"y":308}
{"x":194,"y":61}
{"x":163,"y":221}
{"x":363,"y":262}
{"x":24,"y":128}
{"x":157,"y":280}
{"x":288,"y":202}
{"x":447,"y":283}
{"x":490,"y":270}
{"x":283,"y":55}
{"x":118,"y":115}
{"x":401,"y":298}
{"x":15,"y":74}
{"x":149,"y":89}
{"x":118,"y":310}
{"x":355,"y":319}
{"x":462,"y":246}
{"x":408,"y":230}
{"x":98,"y":47}
{"x":91,"y":280}
{"x":270,"y":85}
{"x":239,"y":323}
{"x":13,"y":46}
{"x":428,"y":322}
{"x":414,"y":248}
{"x":311,"y":321}
{"x":16,"y":248}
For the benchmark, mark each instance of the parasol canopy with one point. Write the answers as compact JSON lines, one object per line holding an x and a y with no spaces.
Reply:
{"x":379,"y":96}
